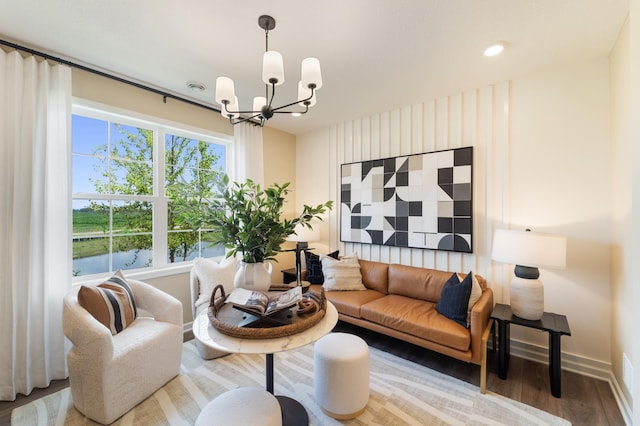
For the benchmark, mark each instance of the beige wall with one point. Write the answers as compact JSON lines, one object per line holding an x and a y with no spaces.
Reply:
{"x":110,"y":92}
{"x":541,"y":159}
{"x":560,"y":183}
{"x":280,"y":167}
{"x":634,"y":72}
{"x":279,"y":149}
{"x":622,"y":267}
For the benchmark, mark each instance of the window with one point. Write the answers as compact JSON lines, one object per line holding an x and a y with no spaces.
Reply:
{"x":129,"y":177}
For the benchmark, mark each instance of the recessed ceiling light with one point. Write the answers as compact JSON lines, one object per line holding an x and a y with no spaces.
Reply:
{"x":495,"y":49}
{"x":196,"y":86}
{"x":296,"y":114}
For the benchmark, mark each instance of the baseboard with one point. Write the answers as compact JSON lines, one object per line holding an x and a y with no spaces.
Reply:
{"x":577,"y":364}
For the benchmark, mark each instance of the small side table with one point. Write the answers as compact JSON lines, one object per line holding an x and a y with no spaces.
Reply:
{"x":289,"y":275}
{"x":556,"y":325}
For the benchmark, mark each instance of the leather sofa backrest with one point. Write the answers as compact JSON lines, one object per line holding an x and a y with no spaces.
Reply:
{"x":375,"y":275}
{"x":417,"y":283}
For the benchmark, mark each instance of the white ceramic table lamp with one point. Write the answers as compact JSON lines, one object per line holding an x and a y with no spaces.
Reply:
{"x":527,"y":251}
{"x":302,"y":236}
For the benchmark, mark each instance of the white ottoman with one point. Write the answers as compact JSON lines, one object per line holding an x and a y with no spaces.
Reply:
{"x":242,"y":406}
{"x":341,"y":375}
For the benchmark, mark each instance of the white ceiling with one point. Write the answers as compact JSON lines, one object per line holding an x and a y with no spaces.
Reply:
{"x":376,"y":55}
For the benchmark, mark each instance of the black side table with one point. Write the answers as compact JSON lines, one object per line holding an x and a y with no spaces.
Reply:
{"x":289,"y":275}
{"x":556,"y":325}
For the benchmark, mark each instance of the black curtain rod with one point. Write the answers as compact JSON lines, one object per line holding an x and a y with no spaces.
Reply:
{"x":164,"y":95}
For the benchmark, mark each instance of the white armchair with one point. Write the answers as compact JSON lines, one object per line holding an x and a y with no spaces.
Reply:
{"x":197,"y":306}
{"x":109,"y":375}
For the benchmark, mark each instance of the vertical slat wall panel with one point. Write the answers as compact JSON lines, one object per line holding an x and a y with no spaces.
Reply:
{"x":477,"y":118}
{"x":470,"y":138}
{"x":442,"y":142}
{"x":385,"y":151}
{"x":417,"y":136}
{"x":501,"y":162}
{"x":394,"y":143}
{"x":405,"y":149}
{"x":428,"y":145}
{"x":334,"y":193}
{"x":376,"y":152}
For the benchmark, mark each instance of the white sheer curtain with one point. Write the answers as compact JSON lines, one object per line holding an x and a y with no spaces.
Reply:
{"x":248,"y":153}
{"x":35,"y":251}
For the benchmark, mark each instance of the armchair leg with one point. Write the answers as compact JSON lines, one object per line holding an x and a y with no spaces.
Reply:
{"x":483,"y":357}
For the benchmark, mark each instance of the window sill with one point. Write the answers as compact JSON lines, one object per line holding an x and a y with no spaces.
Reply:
{"x":139,"y":274}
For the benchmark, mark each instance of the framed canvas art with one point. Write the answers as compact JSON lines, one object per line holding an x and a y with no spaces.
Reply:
{"x":418,"y":201}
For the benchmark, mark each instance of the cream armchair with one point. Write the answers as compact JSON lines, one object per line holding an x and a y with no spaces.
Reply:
{"x":197,"y":307}
{"x":109,"y":375}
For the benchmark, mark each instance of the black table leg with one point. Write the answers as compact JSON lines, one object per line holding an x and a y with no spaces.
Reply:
{"x":270,"y":373}
{"x":293,"y":413}
{"x":503,"y":349}
{"x":555,"y":370}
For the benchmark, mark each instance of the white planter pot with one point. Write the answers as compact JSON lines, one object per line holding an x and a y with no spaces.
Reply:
{"x":253,"y":276}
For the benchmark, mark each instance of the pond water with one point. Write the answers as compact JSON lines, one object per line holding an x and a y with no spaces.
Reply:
{"x":131,"y":259}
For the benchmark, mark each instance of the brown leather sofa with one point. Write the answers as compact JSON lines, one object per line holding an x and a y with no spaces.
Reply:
{"x":400,"y":301}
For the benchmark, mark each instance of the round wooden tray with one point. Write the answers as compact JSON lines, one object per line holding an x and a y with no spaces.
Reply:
{"x":226,"y":319}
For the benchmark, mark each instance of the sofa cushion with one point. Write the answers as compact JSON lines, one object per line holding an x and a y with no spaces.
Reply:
{"x":375,"y":275}
{"x":112,"y":303}
{"x":343,"y":274}
{"x":417,"y":283}
{"x":314,"y":266}
{"x":454,"y":300}
{"x":349,"y":302}
{"x":418,"y":318}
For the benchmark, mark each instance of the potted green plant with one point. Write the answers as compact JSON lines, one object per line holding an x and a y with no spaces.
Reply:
{"x":247,"y":219}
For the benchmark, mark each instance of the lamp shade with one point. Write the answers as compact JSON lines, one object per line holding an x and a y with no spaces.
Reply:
{"x":526,"y":248}
{"x":304,"y":93}
{"x":233,"y":106}
{"x":272,"y":67}
{"x":259,"y":102}
{"x":304,"y":234}
{"x":310,"y":73}
{"x":225,"y":90}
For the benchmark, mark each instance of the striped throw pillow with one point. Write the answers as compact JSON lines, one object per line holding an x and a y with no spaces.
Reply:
{"x":111,"y":303}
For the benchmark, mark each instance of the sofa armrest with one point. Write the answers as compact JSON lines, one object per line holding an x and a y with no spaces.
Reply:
{"x":480,"y":316}
{"x":161,"y":305}
{"x":90,"y":339}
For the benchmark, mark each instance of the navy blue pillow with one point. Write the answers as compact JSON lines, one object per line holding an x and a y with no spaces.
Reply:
{"x":454,"y":299}
{"x":314,"y":266}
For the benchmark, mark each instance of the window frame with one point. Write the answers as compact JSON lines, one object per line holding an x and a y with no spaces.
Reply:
{"x":160,"y":128}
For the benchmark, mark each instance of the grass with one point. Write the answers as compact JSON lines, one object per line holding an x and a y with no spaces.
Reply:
{"x":86,"y":221}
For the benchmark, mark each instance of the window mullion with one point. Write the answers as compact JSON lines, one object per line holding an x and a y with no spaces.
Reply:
{"x":160,"y":237}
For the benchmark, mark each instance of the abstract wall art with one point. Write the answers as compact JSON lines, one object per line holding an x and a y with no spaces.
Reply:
{"x":418,"y":201}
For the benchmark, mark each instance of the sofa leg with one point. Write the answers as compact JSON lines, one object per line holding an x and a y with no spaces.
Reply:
{"x":483,"y":357}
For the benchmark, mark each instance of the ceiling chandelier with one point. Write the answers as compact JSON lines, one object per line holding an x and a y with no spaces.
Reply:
{"x":272,"y":76}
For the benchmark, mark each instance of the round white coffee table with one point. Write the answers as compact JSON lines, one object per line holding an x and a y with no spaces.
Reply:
{"x":293,"y":413}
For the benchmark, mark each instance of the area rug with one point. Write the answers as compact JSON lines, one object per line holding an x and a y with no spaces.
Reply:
{"x":402,"y":393}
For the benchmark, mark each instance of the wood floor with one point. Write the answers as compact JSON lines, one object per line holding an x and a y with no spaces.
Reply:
{"x":585,"y":401}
